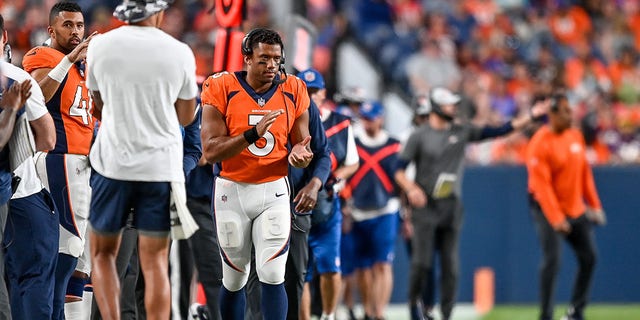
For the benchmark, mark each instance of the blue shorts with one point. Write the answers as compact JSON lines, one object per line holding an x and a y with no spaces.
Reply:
{"x":113,"y":200}
{"x":374,"y":240}
{"x":347,"y":252}
{"x":324,"y":244}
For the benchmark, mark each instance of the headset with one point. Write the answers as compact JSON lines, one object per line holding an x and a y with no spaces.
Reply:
{"x":247,"y":50}
{"x":6,"y":51}
{"x":437,"y":108}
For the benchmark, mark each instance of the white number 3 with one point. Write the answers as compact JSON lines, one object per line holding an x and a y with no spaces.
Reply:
{"x":270,"y":139}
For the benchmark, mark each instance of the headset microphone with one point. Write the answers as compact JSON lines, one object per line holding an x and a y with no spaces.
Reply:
{"x":283,"y":74}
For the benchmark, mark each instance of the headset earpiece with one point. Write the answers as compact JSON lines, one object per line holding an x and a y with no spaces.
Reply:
{"x":247,"y":48}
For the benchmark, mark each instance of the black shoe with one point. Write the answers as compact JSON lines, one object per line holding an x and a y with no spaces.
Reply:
{"x":352,"y":316}
{"x":199,"y":312}
{"x":416,"y":312}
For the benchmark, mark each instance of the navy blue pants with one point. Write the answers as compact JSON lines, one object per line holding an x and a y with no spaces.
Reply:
{"x":31,"y":238}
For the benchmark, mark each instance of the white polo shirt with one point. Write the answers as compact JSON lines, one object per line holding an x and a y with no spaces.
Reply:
{"x":140,"y":72}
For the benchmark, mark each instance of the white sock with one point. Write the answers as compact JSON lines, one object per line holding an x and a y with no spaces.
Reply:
{"x":328,"y":316}
{"x":80,"y":310}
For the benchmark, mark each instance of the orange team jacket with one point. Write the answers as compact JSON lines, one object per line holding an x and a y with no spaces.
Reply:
{"x":560,"y":177}
{"x":240,"y":105}
{"x":70,"y":106}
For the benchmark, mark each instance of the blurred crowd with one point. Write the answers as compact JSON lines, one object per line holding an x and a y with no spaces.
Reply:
{"x":499,"y":54}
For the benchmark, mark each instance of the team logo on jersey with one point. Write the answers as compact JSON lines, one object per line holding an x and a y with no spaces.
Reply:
{"x":453,"y":139}
{"x":261,"y":102}
{"x":224,"y":198}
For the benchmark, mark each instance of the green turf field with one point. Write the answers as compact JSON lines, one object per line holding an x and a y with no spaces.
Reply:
{"x":594,"y":312}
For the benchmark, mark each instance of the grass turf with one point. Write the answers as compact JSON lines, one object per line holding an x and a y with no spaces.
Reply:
{"x":593,"y":312}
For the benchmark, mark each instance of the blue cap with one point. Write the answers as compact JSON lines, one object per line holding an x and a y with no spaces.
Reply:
{"x":371,"y":110}
{"x":312,"y":78}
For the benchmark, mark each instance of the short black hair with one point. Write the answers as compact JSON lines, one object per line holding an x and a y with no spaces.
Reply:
{"x":1,"y":24}
{"x":64,"y":6}
{"x":263,"y":35}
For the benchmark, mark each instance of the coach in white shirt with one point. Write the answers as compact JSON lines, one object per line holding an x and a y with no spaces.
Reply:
{"x":144,"y":87}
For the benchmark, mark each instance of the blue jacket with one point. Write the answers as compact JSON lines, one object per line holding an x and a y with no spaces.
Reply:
{"x":320,"y":166}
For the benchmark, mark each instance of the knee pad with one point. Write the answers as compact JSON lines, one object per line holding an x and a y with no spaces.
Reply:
{"x":75,"y":246}
{"x":272,"y":272}
{"x":234,"y":280}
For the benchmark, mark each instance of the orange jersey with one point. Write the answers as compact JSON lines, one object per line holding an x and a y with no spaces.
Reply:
{"x":70,"y":106}
{"x":242,"y":108}
{"x":560,"y":177}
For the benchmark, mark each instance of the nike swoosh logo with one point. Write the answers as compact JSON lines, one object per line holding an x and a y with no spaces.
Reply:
{"x":278,"y":195}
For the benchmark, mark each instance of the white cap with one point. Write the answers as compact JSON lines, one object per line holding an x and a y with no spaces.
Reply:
{"x":443,"y":96}
{"x":422,"y":105}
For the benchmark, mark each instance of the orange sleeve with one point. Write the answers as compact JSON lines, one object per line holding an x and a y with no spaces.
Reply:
{"x":41,"y":57}
{"x":540,"y":180}
{"x":213,"y":92}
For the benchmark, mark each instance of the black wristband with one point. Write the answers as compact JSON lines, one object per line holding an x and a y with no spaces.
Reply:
{"x":251,"y":135}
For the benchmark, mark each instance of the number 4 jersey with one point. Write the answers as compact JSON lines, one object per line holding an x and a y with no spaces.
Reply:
{"x":242,"y":108}
{"x":70,"y":105}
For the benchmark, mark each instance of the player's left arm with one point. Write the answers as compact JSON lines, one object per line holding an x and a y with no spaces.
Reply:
{"x":192,"y":147}
{"x":538,"y":110}
{"x":185,"y":109}
{"x":300,"y":155}
{"x":595,"y":212}
{"x":320,"y":166}
{"x":44,"y":130}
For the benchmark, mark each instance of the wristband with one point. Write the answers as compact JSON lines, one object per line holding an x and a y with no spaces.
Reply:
{"x":60,"y":71}
{"x":251,"y":135}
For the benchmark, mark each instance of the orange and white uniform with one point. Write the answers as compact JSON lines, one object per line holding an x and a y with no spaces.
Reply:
{"x":65,"y":169}
{"x":266,"y":160}
{"x":70,"y":106}
{"x":252,"y":205}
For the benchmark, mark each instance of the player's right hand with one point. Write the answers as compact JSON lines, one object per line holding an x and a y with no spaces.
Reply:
{"x":417,"y":198}
{"x":15,"y":96}
{"x":564,"y":227}
{"x":267,"y":121}
{"x":80,"y":51}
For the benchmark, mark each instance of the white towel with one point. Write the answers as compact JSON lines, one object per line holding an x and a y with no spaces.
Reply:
{"x":182,"y":224}
{"x":22,"y":143}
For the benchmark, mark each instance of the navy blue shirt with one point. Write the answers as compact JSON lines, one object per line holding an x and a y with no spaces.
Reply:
{"x":191,"y":144}
{"x":320,"y":166}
